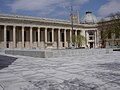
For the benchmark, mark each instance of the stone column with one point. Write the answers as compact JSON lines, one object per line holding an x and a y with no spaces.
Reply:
{"x":45,"y":35}
{"x":14,"y":37}
{"x":23,"y":37}
{"x":38,"y":37}
{"x":52,"y":35}
{"x":75,"y":32}
{"x":5,"y":36}
{"x":58,"y":38}
{"x":70,"y":44}
{"x":95,"y":44}
{"x":76,"y":36}
{"x":31,"y":38}
{"x":65,"y":38}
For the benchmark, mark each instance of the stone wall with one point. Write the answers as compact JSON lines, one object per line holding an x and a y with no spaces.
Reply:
{"x":31,"y":53}
{"x":59,"y":53}
{"x":80,"y":52}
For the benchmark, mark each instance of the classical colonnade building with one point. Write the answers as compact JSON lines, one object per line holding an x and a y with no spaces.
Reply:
{"x":31,"y":32}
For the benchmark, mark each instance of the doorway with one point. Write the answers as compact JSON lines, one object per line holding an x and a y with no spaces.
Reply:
{"x":8,"y":38}
{"x":91,"y":44}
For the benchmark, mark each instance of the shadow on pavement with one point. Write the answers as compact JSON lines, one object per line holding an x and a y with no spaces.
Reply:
{"x":5,"y":61}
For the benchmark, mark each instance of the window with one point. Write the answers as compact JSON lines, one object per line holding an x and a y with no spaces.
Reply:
{"x":25,"y":39}
{"x":91,"y":32}
{"x":90,"y":38}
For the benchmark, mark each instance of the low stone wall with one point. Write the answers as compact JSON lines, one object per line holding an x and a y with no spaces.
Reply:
{"x":58,"y":53}
{"x":80,"y":52}
{"x":31,"y":53}
{"x":118,"y":49}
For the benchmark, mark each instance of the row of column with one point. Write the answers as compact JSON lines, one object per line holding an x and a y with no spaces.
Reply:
{"x":31,"y":39}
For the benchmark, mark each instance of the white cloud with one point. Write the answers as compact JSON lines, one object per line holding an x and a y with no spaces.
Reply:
{"x":41,"y":4}
{"x":34,"y":5}
{"x":46,"y":8}
{"x":111,"y":6}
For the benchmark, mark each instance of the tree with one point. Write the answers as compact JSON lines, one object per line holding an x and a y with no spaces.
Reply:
{"x":109,"y":29}
{"x":78,"y":40}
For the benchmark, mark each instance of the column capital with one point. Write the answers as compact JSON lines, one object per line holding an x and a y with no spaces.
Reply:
{"x":14,"y":26}
{"x":31,"y":27}
{"x":45,"y":28}
{"x":39,"y":27}
{"x":52,"y":28}
{"x":5,"y":25}
{"x":65,"y":30}
{"x":59,"y":29}
{"x":22,"y":26}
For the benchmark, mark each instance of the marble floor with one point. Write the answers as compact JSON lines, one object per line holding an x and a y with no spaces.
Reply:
{"x":93,"y":72}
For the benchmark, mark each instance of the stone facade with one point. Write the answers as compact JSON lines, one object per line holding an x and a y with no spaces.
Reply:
{"x":31,"y":32}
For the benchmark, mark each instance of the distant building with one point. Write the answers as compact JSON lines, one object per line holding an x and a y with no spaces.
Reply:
{"x":32,"y":32}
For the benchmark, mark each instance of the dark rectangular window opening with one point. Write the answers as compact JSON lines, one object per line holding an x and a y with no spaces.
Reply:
{"x":36,"y":36}
{"x":8,"y":35}
{"x":25,"y":36}
{"x":62,"y":37}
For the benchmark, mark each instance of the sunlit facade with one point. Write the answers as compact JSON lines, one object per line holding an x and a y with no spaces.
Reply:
{"x":31,"y":32}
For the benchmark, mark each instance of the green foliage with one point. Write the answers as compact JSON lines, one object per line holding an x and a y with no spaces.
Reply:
{"x":79,"y":39}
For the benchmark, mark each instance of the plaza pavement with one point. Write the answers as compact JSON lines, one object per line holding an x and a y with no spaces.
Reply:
{"x":93,"y":72}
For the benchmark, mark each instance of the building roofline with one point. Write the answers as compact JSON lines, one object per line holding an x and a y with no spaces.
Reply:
{"x":20,"y":17}
{"x":31,"y":17}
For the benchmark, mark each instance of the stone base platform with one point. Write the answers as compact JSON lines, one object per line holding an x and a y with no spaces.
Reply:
{"x":31,"y":53}
{"x":118,"y":49}
{"x":58,"y":53}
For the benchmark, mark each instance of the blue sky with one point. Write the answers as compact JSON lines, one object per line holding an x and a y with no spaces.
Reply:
{"x":59,"y":9}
